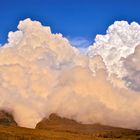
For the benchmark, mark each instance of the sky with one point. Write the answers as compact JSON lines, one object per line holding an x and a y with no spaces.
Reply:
{"x":78,"y":20}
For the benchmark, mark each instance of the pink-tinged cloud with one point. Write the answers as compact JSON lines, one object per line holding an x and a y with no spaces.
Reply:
{"x":41,"y":73}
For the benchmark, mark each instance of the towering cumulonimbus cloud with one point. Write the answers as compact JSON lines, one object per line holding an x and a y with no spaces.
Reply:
{"x":119,"y":42}
{"x":41,"y":73}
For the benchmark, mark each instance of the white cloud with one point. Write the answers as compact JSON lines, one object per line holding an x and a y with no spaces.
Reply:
{"x":41,"y":73}
{"x":119,"y":42}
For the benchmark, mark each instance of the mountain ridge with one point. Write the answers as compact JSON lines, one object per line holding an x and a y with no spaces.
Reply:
{"x":59,"y":128}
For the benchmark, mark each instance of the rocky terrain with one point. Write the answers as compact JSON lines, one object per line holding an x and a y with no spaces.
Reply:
{"x":58,"y":128}
{"x":7,"y":119}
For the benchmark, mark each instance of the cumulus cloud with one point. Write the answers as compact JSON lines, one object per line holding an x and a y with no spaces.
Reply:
{"x":132,"y":65}
{"x":119,"y":42}
{"x":41,"y":73}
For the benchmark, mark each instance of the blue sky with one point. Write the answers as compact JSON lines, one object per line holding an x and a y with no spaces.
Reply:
{"x":75,"y":19}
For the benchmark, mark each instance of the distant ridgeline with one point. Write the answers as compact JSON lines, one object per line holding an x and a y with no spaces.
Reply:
{"x":58,"y":128}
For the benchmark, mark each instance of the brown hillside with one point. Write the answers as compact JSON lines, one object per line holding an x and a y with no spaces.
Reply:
{"x":55,"y":122}
{"x":58,"y":128}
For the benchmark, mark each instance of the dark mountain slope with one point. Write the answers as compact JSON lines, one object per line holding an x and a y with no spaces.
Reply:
{"x":7,"y":119}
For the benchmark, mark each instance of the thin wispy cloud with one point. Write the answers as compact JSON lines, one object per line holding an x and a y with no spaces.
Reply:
{"x":80,"y":42}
